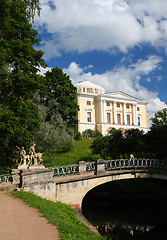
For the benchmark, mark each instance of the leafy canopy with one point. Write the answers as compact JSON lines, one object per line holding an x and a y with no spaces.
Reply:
{"x":18,"y":76}
{"x":59,"y":87}
{"x":160,"y":118}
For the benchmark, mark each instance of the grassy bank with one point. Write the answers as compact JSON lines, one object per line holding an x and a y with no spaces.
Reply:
{"x":60,"y":215}
{"x":80,"y":152}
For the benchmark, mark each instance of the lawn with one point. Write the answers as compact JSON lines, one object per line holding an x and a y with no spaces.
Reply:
{"x":60,"y":215}
{"x":80,"y":152}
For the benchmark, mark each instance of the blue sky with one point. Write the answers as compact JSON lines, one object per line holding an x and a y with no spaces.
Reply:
{"x":119,"y":44}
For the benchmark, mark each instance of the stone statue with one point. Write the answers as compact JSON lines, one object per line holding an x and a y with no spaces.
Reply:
{"x":32,"y":153}
{"x":38,"y":156}
{"x":21,"y":155}
{"x":31,"y":160}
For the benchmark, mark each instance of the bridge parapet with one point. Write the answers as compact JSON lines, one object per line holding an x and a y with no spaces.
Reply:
{"x":100,"y":166}
{"x":5,"y":178}
{"x":121,"y":164}
{"x":97,"y":167}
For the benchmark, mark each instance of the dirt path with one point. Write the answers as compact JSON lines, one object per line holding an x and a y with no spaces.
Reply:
{"x":20,"y":222}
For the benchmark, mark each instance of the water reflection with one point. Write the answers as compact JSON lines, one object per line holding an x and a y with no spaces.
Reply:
{"x":132,"y":213}
{"x":127,"y":224}
{"x":115,"y":232}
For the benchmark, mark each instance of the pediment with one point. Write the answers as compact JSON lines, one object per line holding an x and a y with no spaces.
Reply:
{"x":121,"y":95}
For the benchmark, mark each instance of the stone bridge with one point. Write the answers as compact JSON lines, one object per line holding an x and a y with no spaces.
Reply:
{"x":69,"y":184}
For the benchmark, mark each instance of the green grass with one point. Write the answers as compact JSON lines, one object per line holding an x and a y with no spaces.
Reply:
{"x":78,"y":153}
{"x":60,"y":215}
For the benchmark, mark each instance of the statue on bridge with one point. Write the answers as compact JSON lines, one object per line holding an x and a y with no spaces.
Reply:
{"x":33,"y":160}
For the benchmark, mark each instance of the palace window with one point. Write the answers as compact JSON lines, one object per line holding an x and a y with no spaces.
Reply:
{"x":119,"y":118}
{"x":138,"y":119}
{"x":89,"y":90}
{"x":89,"y":117}
{"x":83,"y":89}
{"x":107,"y":104}
{"x":108,"y":117}
{"x":96,"y":91}
{"x":89,"y":103}
{"x":128,"y":119}
{"x":138,"y":109}
{"x":127,"y":106}
{"x":118,"y":105}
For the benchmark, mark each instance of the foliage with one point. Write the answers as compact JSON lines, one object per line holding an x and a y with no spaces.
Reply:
{"x":101,"y":146}
{"x":135,"y":142}
{"x":157,"y":137}
{"x":89,"y":133}
{"x":58,"y":87}
{"x":31,"y":7}
{"x":77,"y":136}
{"x":60,"y":215}
{"x":156,"y":141}
{"x":53,"y":133}
{"x":160,"y":118}
{"x":120,"y":145}
{"x":18,"y":79}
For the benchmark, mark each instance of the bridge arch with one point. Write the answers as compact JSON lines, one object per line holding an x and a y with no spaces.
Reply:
{"x":73,"y":191}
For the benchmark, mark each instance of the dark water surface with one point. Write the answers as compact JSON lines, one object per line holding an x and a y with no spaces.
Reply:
{"x":129,"y":209}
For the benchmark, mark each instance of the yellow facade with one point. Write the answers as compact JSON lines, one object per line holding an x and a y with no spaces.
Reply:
{"x":103,"y":112}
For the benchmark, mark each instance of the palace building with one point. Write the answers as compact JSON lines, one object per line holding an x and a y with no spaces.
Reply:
{"x":103,"y":111}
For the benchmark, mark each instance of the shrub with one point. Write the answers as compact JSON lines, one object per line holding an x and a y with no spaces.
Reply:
{"x":77,"y":136}
{"x":89,"y":133}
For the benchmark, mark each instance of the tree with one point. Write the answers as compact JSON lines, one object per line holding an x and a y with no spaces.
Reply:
{"x":53,"y":133}
{"x":135,"y":142}
{"x":18,"y":76}
{"x":101,"y":146}
{"x":156,"y":140}
{"x":160,"y":118}
{"x":157,"y":137}
{"x":111,"y":146}
{"x":60,"y":88}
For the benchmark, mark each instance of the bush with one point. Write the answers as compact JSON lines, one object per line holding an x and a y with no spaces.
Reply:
{"x":53,"y":134}
{"x":77,"y":136}
{"x":89,"y":133}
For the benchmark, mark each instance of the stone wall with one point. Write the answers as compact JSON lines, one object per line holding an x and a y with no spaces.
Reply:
{"x":38,"y":181}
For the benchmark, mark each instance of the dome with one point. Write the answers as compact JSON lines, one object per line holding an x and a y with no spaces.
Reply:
{"x":89,"y":87}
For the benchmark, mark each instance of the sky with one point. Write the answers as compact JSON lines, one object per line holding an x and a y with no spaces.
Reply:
{"x":120,"y":45}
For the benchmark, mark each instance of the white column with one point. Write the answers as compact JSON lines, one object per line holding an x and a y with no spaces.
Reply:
{"x":97,"y":112}
{"x":104,"y":113}
{"x":115,"y":116}
{"x":101,"y":108}
{"x":125,"y":120}
{"x":134,"y":115}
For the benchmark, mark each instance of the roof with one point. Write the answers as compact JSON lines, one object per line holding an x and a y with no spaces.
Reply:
{"x":88,"y":84}
{"x":124,"y":96}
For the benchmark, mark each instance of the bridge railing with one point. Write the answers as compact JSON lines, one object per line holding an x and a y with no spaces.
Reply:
{"x":119,"y":164}
{"x":66,"y":170}
{"x":5,"y":178}
{"x":107,"y":165}
{"x":100,"y":166}
{"x":74,"y":169}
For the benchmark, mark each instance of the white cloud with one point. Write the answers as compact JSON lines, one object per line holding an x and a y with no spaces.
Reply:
{"x":126,"y":79}
{"x":87,"y":25}
{"x":42,"y":70}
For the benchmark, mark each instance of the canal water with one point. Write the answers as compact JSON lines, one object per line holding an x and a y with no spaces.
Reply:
{"x":129,"y":209}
